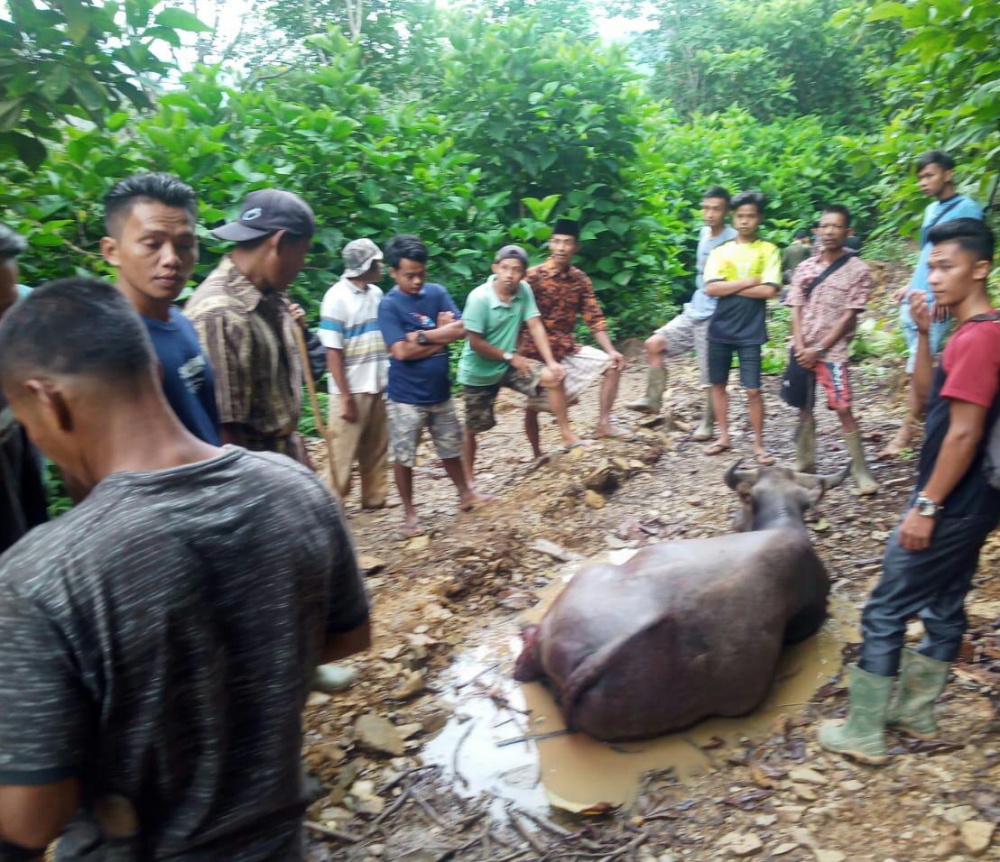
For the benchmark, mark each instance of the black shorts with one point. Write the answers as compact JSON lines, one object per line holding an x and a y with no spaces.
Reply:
{"x":720,"y":361}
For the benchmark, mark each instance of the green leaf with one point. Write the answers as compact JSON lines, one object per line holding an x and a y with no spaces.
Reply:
{"x":181,"y":19}
{"x":10,"y":113}
{"x":886,"y":11}
{"x":388,"y":208}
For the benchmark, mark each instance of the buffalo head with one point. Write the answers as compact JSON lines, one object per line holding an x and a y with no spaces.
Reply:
{"x":773,"y":495}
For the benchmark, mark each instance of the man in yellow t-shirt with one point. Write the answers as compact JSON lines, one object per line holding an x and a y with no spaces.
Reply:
{"x":744,"y":274}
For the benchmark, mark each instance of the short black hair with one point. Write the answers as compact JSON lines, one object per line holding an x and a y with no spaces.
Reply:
{"x":405,"y":246}
{"x":161,"y":188}
{"x":936,"y":157}
{"x":801,"y":233}
{"x":11,"y":243}
{"x":841,"y":210}
{"x":75,"y":326}
{"x":717,"y":192}
{"x":970,"y":233}
{"x":751,"y":196}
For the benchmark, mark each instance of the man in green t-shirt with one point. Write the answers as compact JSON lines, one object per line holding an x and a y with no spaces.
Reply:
{"x":493,"y":317}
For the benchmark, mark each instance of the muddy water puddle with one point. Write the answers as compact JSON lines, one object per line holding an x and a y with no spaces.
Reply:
{"x":508,"y":739}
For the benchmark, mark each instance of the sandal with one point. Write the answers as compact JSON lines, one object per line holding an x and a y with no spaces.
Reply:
{"x":764,"y":459}
{"x":716,"y":448}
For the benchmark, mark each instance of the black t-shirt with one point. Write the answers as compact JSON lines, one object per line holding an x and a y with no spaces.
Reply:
{"x":22,"y":494}
{"x":969,"y":371}
{"x":739,"y":319}
{"x":158,"y":642}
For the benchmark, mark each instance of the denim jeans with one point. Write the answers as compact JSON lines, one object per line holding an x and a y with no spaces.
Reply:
{"x":931,"y":584}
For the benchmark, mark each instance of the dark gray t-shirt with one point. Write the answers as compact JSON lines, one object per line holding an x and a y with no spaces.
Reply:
{"x":158,"y":642}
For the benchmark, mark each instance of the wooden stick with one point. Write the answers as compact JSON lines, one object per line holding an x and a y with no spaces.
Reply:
{"x":329,"y":832}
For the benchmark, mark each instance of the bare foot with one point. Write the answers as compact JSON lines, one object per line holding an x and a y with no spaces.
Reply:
{"x":613,"y":431}
{"x":900,"y":442}
{"x":411,"y":527}
{"x":468,"y":501}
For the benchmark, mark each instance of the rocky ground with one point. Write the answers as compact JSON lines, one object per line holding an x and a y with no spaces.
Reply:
{"x":769,"y":795}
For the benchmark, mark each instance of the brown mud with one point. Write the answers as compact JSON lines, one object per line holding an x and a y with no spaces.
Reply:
{"x":411,"y":759}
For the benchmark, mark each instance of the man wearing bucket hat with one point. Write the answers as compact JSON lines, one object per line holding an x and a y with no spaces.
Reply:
{"x":241,"y":314}
{"x":359,"y":367}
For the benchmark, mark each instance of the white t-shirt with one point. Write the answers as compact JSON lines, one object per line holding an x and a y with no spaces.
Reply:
{"x":349,"y":322}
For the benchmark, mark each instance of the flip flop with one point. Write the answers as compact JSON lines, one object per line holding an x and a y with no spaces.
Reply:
{"x":579,"y":444}
{"x":715,"y":449}
{"x":764,"y":459}
{"x":617,"y":434}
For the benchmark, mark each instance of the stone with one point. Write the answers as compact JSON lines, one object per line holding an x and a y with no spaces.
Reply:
{"x":790,"y":813}
{"x":408,"y":731}
{"x":369,"y":564}
{"x":434,"y":721}
{"x":418,"y":543}
{"x":742,"y":843}
{"x":804,"y":792}
{"x":378,"y":735}
{"x":782,"y":849}
{"x":805,"y":775}
{"x":828,"y":855}
{"x":977,"y":835}
{"x":593,"y":499}
{"x":410,"y":683}
{"x":366,"y":801}
{"x":317,"y":698}
{"x":959,"y":814}
{"x":331,"y":752}
{"x":852,"y":785}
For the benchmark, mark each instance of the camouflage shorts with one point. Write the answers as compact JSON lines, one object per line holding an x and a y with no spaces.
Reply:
{"x":479,"y":400}
{"x":407,"y":422}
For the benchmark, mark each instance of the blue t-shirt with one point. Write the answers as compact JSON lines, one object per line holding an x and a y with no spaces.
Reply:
{"x":937,"y":212}
{"x":416,"y":381}
{"x":702,"y":306}
{"x":187,"y":377}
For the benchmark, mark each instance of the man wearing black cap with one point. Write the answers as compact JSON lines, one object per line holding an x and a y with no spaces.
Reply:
{"x":494,"y":314}
{"x":563,"y":293}
{"x":241,"y":314}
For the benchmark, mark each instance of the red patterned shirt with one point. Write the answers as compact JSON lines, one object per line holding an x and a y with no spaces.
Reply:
{"x":847,"y":288}
{"x":561,"y":297}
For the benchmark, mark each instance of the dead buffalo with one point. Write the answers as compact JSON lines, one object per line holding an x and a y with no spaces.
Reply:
{"x":690,"y":628}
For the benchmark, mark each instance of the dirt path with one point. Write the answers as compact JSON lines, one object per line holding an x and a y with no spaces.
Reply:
{"x":774,"y":796}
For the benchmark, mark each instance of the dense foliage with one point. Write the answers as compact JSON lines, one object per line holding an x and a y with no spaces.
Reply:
{"x":475,"y":126}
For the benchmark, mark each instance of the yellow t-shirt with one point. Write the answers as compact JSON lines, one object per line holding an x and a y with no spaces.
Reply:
{"x":739,"y":319}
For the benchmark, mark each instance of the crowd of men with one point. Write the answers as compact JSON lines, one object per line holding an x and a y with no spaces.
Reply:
{"x":158,"y":642}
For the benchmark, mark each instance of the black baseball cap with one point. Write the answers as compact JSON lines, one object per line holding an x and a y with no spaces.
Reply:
{"x":266,"y":211}
{"x":512,"y":252}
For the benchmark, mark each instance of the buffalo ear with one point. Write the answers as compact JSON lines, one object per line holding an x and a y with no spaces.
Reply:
{"x":814,"y":495}
{"x":743,"y":490}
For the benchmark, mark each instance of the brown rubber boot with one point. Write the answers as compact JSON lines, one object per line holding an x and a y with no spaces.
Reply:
{"x":652,"y":401}
{"x":859,"y":466}
{"x":706,"y":431}
{"x":805,"y":446}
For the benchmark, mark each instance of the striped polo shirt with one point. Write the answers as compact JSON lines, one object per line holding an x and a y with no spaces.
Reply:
{"x":349,"y":322}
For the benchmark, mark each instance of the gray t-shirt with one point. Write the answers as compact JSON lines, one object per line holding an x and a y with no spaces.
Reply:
{"x":158,"y":642}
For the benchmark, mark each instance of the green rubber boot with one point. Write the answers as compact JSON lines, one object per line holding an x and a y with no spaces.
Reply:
{"x":805,"y":446}
{"x":862,"y":734}
{"x":706,"y":431}
{"x":652,"y":401}
{"x":331,"y":678}
{"x":921,"y":681}
{"x":863,"y":477}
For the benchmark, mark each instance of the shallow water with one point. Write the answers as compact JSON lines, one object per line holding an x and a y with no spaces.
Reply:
{"x":573,"y":771}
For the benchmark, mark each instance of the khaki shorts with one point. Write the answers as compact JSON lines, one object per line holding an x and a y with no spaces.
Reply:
{"x":479,"y":400}
{"x":407,"y":422}
{"x":684,"y":334}
{"x":582,"y":369}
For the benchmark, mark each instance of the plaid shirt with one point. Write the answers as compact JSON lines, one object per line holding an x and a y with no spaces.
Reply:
{"x":249,"y":339}
{"x":560,"y":297}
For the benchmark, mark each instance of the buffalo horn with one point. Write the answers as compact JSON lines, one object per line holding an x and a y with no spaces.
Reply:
{"x":734,"y":475}
{"x":828,"y":480}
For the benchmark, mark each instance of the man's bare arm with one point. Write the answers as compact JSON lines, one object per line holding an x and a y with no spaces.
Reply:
{"x":725,"y":288}
{"x":33,"y":817}
{"x":759,"y":291}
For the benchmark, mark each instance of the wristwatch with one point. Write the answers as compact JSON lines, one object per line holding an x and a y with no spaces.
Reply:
{"x":421,"y":337}
{"x":820,"y":349}
{"x":508,"y":356}
{"x":927,"y":507}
